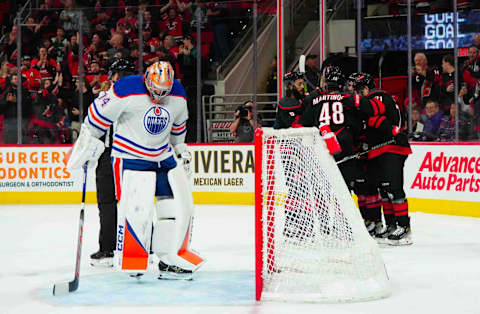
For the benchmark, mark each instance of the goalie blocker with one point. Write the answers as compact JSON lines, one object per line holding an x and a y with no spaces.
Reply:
{"x":172,"y":223}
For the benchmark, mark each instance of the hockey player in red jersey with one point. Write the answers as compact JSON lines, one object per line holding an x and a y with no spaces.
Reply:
{"x":385,"y":122}
{"x":368,"y":196}
{"x":289,"y":111}
{"x":290,"y":107}
{"x":335,"y":114}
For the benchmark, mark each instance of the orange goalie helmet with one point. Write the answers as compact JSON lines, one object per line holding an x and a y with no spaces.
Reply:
{"x":159,"y":80}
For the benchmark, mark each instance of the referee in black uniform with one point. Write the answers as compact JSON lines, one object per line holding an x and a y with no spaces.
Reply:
{"x":107,"y":203}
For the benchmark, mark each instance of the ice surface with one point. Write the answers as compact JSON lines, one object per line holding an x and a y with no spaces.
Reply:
{"x":440,"y":273}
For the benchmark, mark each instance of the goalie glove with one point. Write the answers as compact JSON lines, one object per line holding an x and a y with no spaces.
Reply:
{"x":184,"y":157}
{"x":330,"y":139}
{"x":86,"y":148}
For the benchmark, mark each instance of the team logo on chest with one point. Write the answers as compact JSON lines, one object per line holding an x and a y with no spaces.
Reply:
{"x":156,"y":120}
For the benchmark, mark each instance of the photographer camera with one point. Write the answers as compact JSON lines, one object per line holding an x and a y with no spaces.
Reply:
{"x":244,"y":125}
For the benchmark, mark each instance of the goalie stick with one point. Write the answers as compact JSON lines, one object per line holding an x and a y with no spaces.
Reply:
{"x":63,"y":288}
{"x":365,"y":152}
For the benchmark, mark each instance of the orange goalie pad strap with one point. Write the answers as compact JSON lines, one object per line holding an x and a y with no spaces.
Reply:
{"x":135,"y":257}
{"x":187,"y":255}
{"x":190,"y":257}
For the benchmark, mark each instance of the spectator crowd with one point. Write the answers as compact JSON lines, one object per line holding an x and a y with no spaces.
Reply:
{"x":434,"y":115}
{"x":110,"y":30}
{"x":53,"y":47}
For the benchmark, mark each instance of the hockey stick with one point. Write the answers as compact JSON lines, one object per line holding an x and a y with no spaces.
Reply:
{"x":71,"y":286}
{"x":347,"y":158}
{"x":301,"y":64}
{"x":301,"y":69}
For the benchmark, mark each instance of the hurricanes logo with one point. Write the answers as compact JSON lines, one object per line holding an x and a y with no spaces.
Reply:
{"x":156,"y":120}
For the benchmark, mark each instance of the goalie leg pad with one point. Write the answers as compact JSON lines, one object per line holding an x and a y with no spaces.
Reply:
{"x":134,"y":223}
{"x":172,"y":230}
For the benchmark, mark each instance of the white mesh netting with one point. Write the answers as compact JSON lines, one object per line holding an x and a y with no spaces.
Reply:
{"x":315,"y":245}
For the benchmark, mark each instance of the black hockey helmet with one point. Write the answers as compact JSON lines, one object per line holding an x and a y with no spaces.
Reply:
{"x":121,"y":66}
{"x":291,"y":77}
{"x":334,"y":78}
{"x":353,"y":77}
{"x":362,"y":80}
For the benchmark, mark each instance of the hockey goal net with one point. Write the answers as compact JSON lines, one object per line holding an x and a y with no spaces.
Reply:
{"x":311,"y":242}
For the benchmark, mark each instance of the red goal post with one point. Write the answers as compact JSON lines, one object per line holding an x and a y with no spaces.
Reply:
{"x":311,"y":244}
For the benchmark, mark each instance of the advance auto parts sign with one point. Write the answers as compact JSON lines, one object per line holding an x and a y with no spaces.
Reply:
{"x":38,"y":169}
{"x":448,"y":172}
{"x":223,"y":168}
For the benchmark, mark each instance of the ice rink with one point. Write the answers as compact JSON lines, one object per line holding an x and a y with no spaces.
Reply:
{"x":440,"y":273}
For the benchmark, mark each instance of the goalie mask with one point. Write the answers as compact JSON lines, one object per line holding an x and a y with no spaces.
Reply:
{"x":159,"y":80}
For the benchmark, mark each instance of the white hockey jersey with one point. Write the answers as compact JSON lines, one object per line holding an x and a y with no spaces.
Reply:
{"x":142,"y":129}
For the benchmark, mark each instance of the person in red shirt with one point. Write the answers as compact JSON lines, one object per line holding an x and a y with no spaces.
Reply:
{"x":471,"y":68}
{"x":47,"y":66}
{"x":4,"y":70}
{"x":72,"y":56}
{"x":129,"y":18}
{"x":170,"y":45}
{"x":150,"y":44}
{"x":172,"y":25}
{"x":95,"y":78}
{"x":32,"y":75}
{"x":425,"y":80}
{"x":184,"y":8}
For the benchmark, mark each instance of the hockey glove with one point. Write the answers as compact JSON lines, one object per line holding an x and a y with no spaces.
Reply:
{"x":184,"y":157}
{"x":395,"y":130}
{"x":330,"y":139}
{"x":86,"y":148}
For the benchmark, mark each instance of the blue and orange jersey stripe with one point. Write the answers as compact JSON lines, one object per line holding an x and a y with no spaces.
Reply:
{"x":124,"y":145}
{"x":96,"y":119}
{"x":179,"y":129}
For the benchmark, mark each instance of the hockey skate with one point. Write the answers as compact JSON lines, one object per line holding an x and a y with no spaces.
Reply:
{"x":401,"y":236}
{"x":378,"y":228}
{"x":137,"y":276}
{"x":370,"y":225}
{"x":101,"y":259}
{"x":381,"y":236}
{"x":174,"y":272}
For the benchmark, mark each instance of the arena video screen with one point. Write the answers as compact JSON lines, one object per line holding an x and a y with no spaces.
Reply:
{"x":429,"y":31}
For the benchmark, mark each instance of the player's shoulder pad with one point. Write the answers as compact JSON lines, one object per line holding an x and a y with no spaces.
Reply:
{"x":131,"y":85}
{"x":178,"y":90}
{"x":317,"y":92}
{"x":288,"y":103}
{"x":377,"y":92}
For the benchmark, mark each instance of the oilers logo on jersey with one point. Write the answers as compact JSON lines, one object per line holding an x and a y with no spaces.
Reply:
{"x":128,"y":104}
{"x":156,"y":120}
